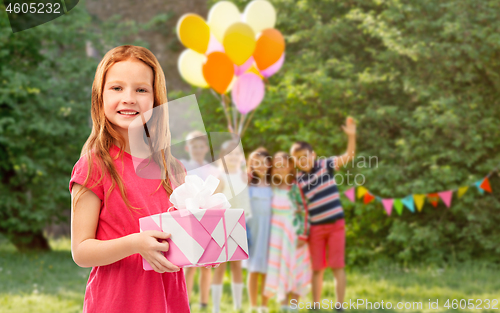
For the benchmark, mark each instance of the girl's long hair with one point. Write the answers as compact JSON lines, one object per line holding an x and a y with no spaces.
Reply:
{"x":252,"y":177}
{"x":104,"y":134}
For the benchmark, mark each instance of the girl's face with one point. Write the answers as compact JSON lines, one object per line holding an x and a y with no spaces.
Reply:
{"x":282,"y":167}
{"x":259,"y":165}
{"x":128,"y":90}
{"x":234,"y":158}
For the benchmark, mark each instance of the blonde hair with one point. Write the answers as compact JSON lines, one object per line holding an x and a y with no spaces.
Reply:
{"x":104,"y":133}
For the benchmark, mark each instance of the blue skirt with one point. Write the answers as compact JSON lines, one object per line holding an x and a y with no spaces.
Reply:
{"x":259,"y":228}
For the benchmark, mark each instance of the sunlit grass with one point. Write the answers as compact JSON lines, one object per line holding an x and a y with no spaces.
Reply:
{"x":52,"y":282}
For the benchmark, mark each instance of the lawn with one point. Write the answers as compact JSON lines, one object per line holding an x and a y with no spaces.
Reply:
{"x":52,"y":282}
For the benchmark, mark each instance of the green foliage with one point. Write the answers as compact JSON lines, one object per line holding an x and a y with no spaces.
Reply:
{"x":45,"y":89}
{"x":421,"y":79}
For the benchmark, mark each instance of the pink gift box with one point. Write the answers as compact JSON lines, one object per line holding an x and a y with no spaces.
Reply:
{"x":201,"y":238}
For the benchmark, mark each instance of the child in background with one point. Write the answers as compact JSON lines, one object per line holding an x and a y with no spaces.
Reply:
{"x":259,"y":172}
{"x":327,"y":231}
{"x":289,"y":272}
{"x":197,"y":147}
{"x":108,"y":197}
{"x":235,"y":187}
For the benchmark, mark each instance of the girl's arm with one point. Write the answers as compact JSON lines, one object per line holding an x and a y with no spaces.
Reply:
{"x":89,"y":252}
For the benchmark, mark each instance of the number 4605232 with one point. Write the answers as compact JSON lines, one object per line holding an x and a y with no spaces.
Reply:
{"x":34,"y":8}
{"x":477,"y":304}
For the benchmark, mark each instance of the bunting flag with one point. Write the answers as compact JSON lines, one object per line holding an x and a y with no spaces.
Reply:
{"x":478,"y":186}
{"x":368,"y":198}
{"x":416,"y":200}
{"x":408,"y":202}
{"x":349,"y":193}
{"x":433,"y":199}
{"x":388,"y":205}
{"x":398,"y":206}
{"x":485,"y":185}
{"x":419,"y":201}
{"x":462,"y":191}
{"x":446,"y":197}
{"x":361,"y":191}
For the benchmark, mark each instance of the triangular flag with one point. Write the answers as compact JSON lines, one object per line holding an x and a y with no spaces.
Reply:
{"x":446,"y":197}
{"x":478,"y":185}
{"x":485,"y":185}
{"x":349,"y":193}
{"x":419,"y":201}
{"x":433,"y":199}
{"x":408,"y":202}
{"x":388,"y":205}
{"x":398,"y":205}
{"x":361,"y":191}
{"x":462,"y":190}
{"x":368,"y":198}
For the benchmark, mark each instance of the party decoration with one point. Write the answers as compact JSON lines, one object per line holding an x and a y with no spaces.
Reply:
{"x":478,"y":186}
{"x":446,"y":197}
{"x":233,"y":45}
{"x":409,"y":203}
{"x":349,"y":193}
{"x":239,"y":42}
{"x":419,"y":201}
{"x":398,"y":206}
{"x":273,"y":69}
{"x":368,"y":198}
{"x":260,"y":15}
{"x":361,"y":191}
{"x":485,"y":185}
{"x":190,"y":66}
{"x":248,"y":92}
{"x":222,"y":15}
{"x":462,"y":191}
{"x":388,"y":205}
{"x":193,"y":32}
{"x":269,"y":48}
{"x":433,"y":199}
{"x":218,"y":71}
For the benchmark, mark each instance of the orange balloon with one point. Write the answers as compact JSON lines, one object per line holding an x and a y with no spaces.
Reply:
{"x":218,"y":71}
{"x":269,"y":48}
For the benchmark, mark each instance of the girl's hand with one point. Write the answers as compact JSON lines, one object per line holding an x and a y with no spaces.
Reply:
{"x":350,"y":126}
{"x":301,"y":243}
{"x":150,"y":244}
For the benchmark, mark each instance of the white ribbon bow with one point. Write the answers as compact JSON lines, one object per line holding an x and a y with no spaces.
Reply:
{"x":196,"y":194}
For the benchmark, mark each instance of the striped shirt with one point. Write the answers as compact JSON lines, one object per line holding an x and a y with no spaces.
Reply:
{"x":321,"y":192}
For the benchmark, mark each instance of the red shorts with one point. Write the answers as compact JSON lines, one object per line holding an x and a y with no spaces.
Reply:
{"x":327,"y":240}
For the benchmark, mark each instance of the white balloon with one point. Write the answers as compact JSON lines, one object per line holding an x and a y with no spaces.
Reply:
{"x":260,"y":15}
{"x":222,"y":15}
{"x":190,"y":66}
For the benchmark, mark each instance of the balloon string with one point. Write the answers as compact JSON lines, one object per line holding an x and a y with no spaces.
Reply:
{"x":242,"y":119}
{"x":235,"y":122}
{"x":248,"y":122}
{"x":223,"y":103}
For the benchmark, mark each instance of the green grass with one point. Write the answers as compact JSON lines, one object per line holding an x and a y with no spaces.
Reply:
{"x":52,"y":282}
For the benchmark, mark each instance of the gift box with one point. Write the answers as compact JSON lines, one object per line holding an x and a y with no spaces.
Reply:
{"x":204,"y":229}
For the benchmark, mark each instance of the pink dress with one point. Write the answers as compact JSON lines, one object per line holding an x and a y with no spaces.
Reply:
{"x":124,"y":286}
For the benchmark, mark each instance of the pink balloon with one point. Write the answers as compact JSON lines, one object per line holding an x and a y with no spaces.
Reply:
{"x":271,"y":70}
{"x":214,"y":45}
{"x":238,"y":70}
{"x":248,"y":92}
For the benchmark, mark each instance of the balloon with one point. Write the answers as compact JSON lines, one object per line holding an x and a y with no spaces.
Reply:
{"x":271,"y":70}
{"x":239,"y":42}
{"x":214,"y":45}
{"x":260,"y":15}
{"x":248,"y":92}
{"x":222,"y":15}
{"x":270,"y":46}
{"x":238,"y":70}
{"x":193,"y":32}
{"x":190,"y":66}
{"x":254,"y":70}
{"x":218,"y":71}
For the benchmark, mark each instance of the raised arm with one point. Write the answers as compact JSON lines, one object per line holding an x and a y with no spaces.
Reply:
{"x":350,"y":130}
{"x":88,"y":251}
